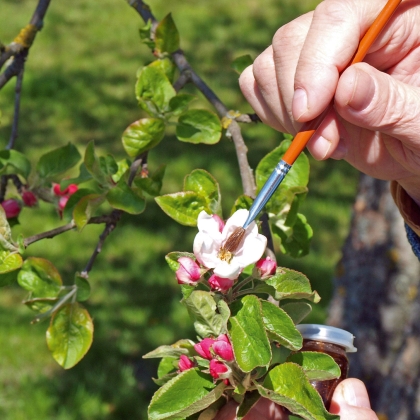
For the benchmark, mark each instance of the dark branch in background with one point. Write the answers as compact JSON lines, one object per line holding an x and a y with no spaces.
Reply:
{"x":265,"y":227}
{"x":248,"y":182}
{"x":19,"y":48}
{"x":18,"y":89}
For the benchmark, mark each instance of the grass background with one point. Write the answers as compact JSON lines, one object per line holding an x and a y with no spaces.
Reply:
{"x":79,"y":86}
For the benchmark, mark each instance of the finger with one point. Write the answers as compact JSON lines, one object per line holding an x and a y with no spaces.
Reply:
{"x":376,"y":101}
{"x":253,"y":95}
{"x":267,"y":410}
{"x":351,"y":401}
{"x":332,"y":40}
{"x":287,"y":44}
{"x":264,"y":72}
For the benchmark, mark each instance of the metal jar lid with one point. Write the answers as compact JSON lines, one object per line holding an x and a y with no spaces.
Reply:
{"x":328,"y":334}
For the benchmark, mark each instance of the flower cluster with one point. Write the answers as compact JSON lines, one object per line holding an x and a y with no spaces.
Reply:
{"x":210,"y":253}
{"x":217,"y":350}
{"x":13,"y":206}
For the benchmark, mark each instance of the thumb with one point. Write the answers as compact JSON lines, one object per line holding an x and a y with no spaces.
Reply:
{"x":374,"y":100}
{"x":351,"y":401}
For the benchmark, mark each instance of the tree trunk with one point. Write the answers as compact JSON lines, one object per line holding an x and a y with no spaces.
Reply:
{"x":376,"y":298}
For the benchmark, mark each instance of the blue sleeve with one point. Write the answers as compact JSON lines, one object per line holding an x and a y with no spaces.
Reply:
{"x":414,"y":240}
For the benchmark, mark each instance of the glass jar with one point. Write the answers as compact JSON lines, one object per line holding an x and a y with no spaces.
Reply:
{"x":334,"y":342}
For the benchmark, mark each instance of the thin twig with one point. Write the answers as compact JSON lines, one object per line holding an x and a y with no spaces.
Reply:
{"x":247,"y":177}
{"x":182,"y":80}
{"x":18,"y":89}
{"x":110,"y":226}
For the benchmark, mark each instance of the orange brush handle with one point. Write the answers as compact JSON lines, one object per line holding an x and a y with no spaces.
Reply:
{"x":309,"y":128}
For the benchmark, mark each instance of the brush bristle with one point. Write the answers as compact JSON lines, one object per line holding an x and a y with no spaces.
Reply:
{"x":232,"y":243}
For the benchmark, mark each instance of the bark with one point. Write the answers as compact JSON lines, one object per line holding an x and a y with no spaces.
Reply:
{"x":376,"y":298}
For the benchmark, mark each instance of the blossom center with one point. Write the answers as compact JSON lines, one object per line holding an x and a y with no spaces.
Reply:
{"x":225,"y":255}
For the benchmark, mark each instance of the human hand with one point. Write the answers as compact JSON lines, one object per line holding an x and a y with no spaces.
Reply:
{"x":350,"y":401}
{"x":375,"y":122}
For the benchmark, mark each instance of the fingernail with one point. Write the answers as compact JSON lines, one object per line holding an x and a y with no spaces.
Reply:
{"x":321,"y":148}
{"x":363,"y":90}
{"x":340,"y":151}
{"x":299,"y":103}
{"x":355,"y":394}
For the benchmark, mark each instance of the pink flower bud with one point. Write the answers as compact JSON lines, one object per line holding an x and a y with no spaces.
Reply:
{"x":57,"y":190}
{"x":29,"y":198}
{"x":217,"y":368}
{"x":11,"y":207}
{"x":223,"y":348}
{"x":220,"y":284}
{"x":266,"y":267}
{"x":72,"y":188}
{"x":185,"y":363}
{"x":188,"y":271}
{"x":62,"y":203}
{"x":219,"y":221}
{"x":203,"y":348}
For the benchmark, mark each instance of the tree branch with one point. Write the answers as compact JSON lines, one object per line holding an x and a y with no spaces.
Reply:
{"x":247,"y":177}
{"x":19,"y":48}
{"x":18,"y":89}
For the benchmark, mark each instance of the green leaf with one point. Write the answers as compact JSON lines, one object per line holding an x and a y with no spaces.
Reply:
{"x":166,"y":66}
{"x":204,"y":184}
{"x":152,"y":184}
{"x":146,"y":35}
{"x":287,"y":385}
{"x":93,"y":165}
{"x":175,"y":350}
{"x":122,"y":167}
{"x":179,"y":103}
{"x":73,"y":200}
{"x":8,"y":278}
{"x":239,"y":64}
{"x":281,"y":326}
{"x":143,"y":135}
{"x":166,"y":36}
{"x":290,"y":284}
{"x":294,"y":183}
{"x":40,"y":305}
{"x":242,"y":202}
{"x":83,"y":288}
{"x":154,"y":91}
{"x":83,"y":176}
{"x":199,"y":126}
{"x":70,"y":334}
{"x":297,"y":240}
{"x":297,"y":310}
{"x":85,"y":208}
{"x":317,"y":366}
{"x":127,"y":199}
{"x":10,"y":262}
{"x":14,"y":162}
{"x":172,"y":259}
{"x":246,"y":331}
{"x":57,"y":161}
{"x":249,"y":401}
{"x":166,"y":365}
{"x":183,"y":207}
{"x":202,"y":309}
{"x":40,"y":277}
{"x":189,"y":392}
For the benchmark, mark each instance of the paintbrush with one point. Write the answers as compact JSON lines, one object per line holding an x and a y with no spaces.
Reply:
{"x":304,"y":135}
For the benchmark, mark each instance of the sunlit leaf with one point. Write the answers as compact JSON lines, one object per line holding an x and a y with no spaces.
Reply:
{"x":166,"y":66}
{"x":85,"y":208}
{"x":73,"y":200}
{"x":317,"y":366}
{"x":143,"y":135}
{"x":242,"y":202}
{"x":14,"y":162}
{"x":199,"y":126}
{"x":246,"y":331}
{"x":183,"y":207}
{"x":128,"y":199}
{"x":70,"y":334}
{"x":152,"y":184}
{"x":166,"y":36}
{"x":179,"y":103}
{"x":83,"y":288}
{"x":297,"y":310}
{"x":83,"y":176}
{"x":175,"y":350}
{"x":239,"y":64}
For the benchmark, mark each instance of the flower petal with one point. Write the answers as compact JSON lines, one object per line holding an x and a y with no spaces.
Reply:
{"x":252,"y":250}
{"x":236,"y":220}
{"x":228,"y":270}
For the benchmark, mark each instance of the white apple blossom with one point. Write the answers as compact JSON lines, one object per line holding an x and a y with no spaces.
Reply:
{"x":209,"y":241}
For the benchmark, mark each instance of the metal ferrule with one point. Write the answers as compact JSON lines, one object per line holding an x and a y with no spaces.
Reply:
{"x":268,"y":189}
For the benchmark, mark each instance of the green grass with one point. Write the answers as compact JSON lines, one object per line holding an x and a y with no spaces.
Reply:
{"x":79,"y":86}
